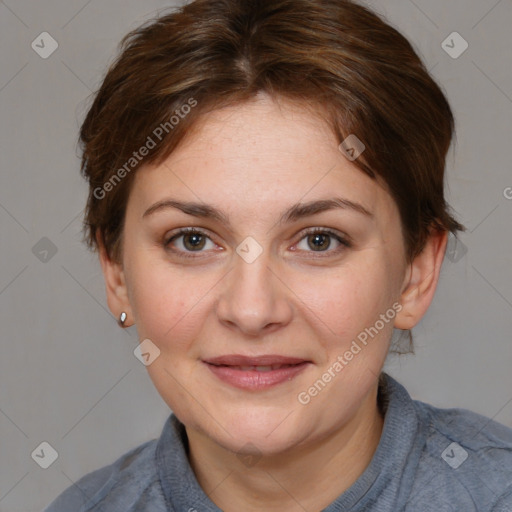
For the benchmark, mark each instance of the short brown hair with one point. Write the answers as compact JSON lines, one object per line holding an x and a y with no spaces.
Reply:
{"x":335,"y":56}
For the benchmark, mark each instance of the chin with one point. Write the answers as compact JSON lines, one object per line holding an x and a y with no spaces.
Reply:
{"x":250,"y":443}
{"x":262,"y":431}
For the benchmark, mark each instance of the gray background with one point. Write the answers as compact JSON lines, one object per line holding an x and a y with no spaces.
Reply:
{"x":68,"y":375}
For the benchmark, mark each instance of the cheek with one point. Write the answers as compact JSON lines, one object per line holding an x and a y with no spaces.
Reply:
{"x":345,"y":301}
{"x":168,"y":303}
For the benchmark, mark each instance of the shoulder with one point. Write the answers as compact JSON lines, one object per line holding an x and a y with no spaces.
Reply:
{"x":467,"y":458}
{"x":129,"y":483}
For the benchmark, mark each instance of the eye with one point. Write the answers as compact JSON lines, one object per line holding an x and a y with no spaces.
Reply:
{"x":321,"y":240}
{"x":188,"y":240}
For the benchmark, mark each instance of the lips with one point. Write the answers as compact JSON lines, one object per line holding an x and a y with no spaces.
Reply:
{"x":261,"y":368}
{"x":265,"y":360}
{"x":255,"y":372}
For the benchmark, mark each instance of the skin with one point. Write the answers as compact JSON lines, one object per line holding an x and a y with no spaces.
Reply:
{"x":254,"y":161}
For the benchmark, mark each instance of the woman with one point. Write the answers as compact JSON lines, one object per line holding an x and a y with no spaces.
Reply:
{"x":266,"y":197}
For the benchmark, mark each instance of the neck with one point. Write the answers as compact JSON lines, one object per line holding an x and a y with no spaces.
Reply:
{"x":284,"y":482}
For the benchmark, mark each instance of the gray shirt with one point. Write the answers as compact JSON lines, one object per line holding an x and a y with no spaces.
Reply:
{"x":428,"y":459}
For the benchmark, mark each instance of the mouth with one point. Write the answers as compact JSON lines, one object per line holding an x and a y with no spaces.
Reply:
{"x":256,"y":373}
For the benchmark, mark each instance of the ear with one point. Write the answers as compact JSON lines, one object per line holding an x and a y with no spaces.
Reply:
{"x":421,"y":281}
{"x":115,"y":284}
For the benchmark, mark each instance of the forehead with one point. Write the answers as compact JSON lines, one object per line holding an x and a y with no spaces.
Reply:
{"x":261,"y":153}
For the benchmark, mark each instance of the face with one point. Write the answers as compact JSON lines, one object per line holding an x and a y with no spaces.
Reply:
{"x":260,"y":309}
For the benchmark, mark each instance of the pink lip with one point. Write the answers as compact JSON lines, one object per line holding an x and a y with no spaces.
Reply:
{"x":229,"y":369}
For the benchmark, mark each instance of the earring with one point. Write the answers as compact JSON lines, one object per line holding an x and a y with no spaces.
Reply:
{"x":122,"y":319}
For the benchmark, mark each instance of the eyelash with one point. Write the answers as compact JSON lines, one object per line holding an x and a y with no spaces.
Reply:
{"x":324,"y":231}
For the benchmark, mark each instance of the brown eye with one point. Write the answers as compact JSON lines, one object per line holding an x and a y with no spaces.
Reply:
{"x":188,"y":241}
{"x":323,"y":241}
{"x":319,"y":241}
{"x":194,"y":241}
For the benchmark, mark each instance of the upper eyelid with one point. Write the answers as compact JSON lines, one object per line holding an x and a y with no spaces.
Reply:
{"x":186,"y":231}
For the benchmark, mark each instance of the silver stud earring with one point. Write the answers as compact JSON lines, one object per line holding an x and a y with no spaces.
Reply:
{"x":122,"y":319}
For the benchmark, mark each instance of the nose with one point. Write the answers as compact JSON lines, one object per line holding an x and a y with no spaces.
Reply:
{"x":254,"y":300}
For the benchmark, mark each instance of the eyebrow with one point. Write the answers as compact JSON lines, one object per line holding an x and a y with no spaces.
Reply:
{"x":294,"y":213}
